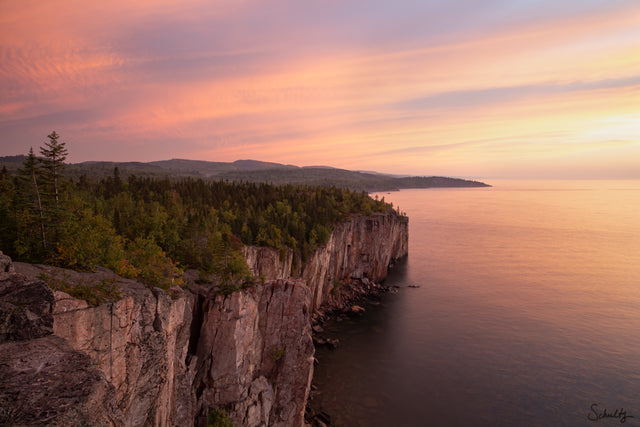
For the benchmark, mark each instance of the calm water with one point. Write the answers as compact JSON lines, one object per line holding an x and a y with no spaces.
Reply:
{"x":527,"y":312}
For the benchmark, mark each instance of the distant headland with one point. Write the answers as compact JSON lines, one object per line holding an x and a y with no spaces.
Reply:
{"x":256,"y":171}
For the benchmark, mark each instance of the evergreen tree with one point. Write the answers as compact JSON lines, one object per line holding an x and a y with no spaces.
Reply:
{"x":31,"y":201}
{"x":7,"y":212}
{"x":54,"y":154}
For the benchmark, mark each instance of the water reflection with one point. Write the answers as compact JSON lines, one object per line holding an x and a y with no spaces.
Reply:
{"x":526,"y":314}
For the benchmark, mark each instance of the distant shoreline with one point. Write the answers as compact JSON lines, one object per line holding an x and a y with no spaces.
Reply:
{"x":255,"y":171}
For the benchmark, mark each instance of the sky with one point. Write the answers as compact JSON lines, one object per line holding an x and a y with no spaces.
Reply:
{"x":491,"y":89}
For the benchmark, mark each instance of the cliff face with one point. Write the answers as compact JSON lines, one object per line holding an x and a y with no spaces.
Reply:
{"x":363,"y":247}
{"x":139,"y":342}
{"x":255,"y":354}
{"x":43,"y":380}
{"x":268,"y":263}
{"x":149,"y":357}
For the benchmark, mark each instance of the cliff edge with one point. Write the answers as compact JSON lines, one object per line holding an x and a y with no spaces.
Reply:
{"x":151,"y":357}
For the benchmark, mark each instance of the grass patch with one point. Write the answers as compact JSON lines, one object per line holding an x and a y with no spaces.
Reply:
{"x":93,"y":292}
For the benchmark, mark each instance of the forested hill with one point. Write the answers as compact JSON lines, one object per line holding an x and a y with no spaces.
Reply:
{"x":254,"y":171}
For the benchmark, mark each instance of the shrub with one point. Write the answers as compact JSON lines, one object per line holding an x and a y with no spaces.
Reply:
{"x":94,"y":293}
{"x":218,"y":418}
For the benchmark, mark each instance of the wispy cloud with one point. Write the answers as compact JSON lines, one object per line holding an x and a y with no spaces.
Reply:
{"x":473,"y":84}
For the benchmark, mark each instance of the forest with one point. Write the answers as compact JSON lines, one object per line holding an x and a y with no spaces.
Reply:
{"x":153,"y":229}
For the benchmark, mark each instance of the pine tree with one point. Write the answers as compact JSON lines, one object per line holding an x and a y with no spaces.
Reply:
{"x":54,"y":154}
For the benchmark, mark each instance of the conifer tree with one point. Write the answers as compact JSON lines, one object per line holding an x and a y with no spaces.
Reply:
{"x":30,"y":174}
{"x":7,"y":212}
{"x":54,"y":154}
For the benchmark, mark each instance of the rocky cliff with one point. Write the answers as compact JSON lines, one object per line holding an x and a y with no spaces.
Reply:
{"x":138,"y":341}
{"x":361,"y":248}
{"x":255,"y":354}
{"x":152,"y":357}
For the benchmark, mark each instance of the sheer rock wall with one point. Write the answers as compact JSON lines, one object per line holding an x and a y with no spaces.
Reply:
{"x":152,"y":357}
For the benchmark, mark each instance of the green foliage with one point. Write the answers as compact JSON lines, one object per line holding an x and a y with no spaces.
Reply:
{"x":54,"y":153}
{"x":94,"y":293}
{"x":227,"y":261}
{"x":89,"y":240}
{"x":29,"y":213}
{"x":152,"y":266}
{"x":8,"y":224}
{"x":276,"y":353}
{"x":218,"y":418}
{"x":195,"y":221}
{"x":337,"y":285}
{"x":53,"y":190}
{"x":149,"y":228}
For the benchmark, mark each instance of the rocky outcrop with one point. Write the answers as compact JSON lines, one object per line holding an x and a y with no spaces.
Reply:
{"x":44,"y":381}
{"x":5,"y":264}
{"x":139,"y":342}
{"x":252,"y":354}
{"x":149,"y":357}
{"x":361,"y":248}
{"x":255,"y":354}
{"x":269,"y":263}
{"x":25,"y":308}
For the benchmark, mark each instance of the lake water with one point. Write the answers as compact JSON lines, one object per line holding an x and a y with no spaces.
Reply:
{"x":527,"y":313}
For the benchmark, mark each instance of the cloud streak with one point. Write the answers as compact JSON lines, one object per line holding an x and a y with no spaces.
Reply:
{"x":456,"y":88}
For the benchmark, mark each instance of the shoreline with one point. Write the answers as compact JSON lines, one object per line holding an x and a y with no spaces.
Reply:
{"x":353,"y":304}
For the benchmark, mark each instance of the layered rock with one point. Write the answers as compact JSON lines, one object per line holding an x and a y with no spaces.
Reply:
{"x":46,"y":382}
{"x":139,"y":342}
{"x":43,"y":380}
{"x":147,"y":358}
{"x":269,"y":263}
{"x":361,"y":248}
{"x":255,"y":354}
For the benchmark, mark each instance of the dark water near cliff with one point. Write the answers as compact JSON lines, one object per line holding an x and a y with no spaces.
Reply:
{"x":528,"y":312}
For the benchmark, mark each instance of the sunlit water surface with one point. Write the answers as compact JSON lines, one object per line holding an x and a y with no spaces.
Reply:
{"x":527,"y":312}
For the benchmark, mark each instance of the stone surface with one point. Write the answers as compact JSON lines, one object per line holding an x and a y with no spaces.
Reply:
{"x":362,"y":248}
{"x":6,"y":266}
{"x":139,"y":342}
{"x":25,"y":308}
{"x":269,"y":263}
{"x":255,"y":354}
{"x":44,"y":381}
{"x":148,"y":357}
{"x":356,"y":309}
